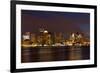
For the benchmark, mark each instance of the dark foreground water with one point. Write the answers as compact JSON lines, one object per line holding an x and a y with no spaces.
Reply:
{"x":44,"y":54}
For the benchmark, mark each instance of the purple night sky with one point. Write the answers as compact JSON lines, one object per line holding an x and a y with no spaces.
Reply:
{"x":65,"y":22}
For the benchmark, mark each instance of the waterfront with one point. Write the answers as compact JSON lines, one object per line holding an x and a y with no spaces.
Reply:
{"x":54,"y":53}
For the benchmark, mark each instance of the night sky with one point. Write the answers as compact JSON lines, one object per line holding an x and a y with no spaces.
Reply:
{"x":65,"y":22}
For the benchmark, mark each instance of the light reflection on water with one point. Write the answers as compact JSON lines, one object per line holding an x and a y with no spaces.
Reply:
{"x":76,"y":53}
{"x":40,"y":54}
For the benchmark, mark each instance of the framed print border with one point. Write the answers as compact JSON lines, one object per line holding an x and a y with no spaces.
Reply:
{"x":13,"y":35}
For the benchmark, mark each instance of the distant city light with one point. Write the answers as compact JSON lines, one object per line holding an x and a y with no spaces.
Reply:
{"x":56,"y":39}
{"x":45,"y":31}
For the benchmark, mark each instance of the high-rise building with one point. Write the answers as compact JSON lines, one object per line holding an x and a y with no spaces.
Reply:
{"x":26,"y":36}
{"x":33,"y":38}
{"x":58,"y":37}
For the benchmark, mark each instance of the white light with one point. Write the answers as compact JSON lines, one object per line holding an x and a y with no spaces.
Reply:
{"x":45,"y":31}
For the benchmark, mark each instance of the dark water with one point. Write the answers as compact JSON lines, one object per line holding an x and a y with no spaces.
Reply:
{"x":62,"y":53}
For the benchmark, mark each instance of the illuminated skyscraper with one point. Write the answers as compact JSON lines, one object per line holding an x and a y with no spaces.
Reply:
{"x":58,"y":37}
{"x":33,"y":38}
{"x":26,"y":36}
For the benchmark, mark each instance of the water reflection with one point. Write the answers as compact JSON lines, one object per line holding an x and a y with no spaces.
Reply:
{"x":75,"y":53}
{"x":39,"y":54}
